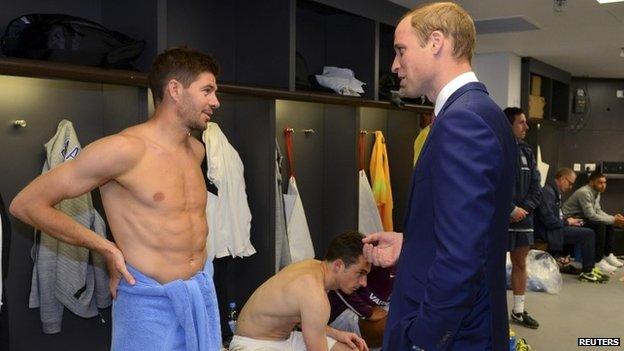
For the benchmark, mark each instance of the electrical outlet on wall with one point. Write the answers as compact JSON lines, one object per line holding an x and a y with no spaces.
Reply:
{"x":618,"y":93}
{"x":577,"y":167}
{"x":590,"y":167}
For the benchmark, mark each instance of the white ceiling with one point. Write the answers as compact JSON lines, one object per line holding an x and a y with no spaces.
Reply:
{"x":584,"y":39}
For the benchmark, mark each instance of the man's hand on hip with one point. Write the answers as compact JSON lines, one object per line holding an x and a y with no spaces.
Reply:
{"x":117,"y":269}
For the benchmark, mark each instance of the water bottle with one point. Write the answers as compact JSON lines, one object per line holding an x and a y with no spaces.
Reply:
{"x":232,"y":316}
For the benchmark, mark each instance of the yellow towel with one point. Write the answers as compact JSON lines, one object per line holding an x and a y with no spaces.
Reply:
{"x":420,"y":142}
{"x":380,"y":179}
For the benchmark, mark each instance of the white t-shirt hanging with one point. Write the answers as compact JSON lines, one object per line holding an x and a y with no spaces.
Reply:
{"x":228,"y":213}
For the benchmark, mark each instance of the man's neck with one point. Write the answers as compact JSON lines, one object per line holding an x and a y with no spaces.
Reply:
{"x":329,"y":280}
{"x":448,"y":72}
{"x":167,"y":127}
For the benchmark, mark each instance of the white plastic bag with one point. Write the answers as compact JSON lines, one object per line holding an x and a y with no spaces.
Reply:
{"x":543,"y":272}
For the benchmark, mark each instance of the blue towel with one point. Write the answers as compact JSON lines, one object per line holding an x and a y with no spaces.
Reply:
{"x":180,"y":315}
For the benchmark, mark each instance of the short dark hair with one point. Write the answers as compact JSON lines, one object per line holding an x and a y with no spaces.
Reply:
{"x":596,"y":175}
{"x":347,"y":247}
{"x":183,"y":64}
{"x":511,"y":113}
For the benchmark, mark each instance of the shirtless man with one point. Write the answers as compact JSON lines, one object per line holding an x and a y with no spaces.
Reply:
{"x":154,"y":196}
{"x":297,"y":295}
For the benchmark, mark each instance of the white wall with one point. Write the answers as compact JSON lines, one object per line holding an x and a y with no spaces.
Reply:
{"x":515,"y":68}
{"x":500,"y":72}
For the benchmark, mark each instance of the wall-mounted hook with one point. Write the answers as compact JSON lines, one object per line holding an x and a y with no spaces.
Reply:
{"x":365,"y":132}
{"x":289,"y":130}
{"x":19,"y":123}
{"x":308,"y":131}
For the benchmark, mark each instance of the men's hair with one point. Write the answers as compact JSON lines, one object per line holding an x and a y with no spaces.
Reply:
{"x":511,"y":113}
{"x":564,"y":172}
{"x":183,"y":64}
{"x":596,"y":175}
{"x":450,"y":19}
{"x":347,"y":247}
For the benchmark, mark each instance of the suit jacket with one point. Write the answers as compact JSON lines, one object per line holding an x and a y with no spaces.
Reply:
{"x":449,"y":292}
{"x":527,"y":191}
{"x":548,"y":223}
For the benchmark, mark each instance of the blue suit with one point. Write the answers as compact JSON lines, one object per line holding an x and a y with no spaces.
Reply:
{"x":449,"y":292}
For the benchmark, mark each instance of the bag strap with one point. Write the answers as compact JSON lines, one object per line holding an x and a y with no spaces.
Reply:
{"x":289,"y":151}
{"x":361,"y":149}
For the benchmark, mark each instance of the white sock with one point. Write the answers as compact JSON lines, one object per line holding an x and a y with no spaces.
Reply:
{"x":518,"y":306}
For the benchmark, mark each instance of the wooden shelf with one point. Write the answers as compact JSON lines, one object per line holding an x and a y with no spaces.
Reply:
{"x":47,"y":69}
{"x":554,"y":88}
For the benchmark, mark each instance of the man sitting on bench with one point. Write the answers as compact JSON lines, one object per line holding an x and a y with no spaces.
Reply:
{"x":585,"y":204}
{"x":557,"y":231}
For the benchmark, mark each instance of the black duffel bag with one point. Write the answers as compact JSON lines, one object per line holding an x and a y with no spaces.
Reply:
{"x":64,"y":38}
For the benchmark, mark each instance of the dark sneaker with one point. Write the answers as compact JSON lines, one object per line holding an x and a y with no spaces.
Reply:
{"x":570,"y":269}
{"x":524,"y":319}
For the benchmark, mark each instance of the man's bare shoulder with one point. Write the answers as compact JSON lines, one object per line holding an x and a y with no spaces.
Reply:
{"x":199,"y":150}
{"x":113,"y":155}
{"x":306,"y":281}
{"x":126,"y":145}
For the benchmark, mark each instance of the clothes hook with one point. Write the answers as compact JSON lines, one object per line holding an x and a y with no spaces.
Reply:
{"x":309,"y":131}
{"x":20,"y":123}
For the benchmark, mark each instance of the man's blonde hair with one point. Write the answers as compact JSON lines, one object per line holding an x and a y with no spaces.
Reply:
{"x":450,"y":19}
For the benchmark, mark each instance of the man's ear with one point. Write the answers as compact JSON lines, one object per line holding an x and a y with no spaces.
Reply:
{"x":436,"y":40}
{"x":174,"y":89}
{"x":337,"y":265}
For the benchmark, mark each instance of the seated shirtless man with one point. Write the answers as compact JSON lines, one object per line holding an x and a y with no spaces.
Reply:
{"x":297,"y":295}
{"x":154,"y":196}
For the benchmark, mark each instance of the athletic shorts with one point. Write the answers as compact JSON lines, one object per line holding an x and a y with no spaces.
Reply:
{"x":519,"y":239}
{"x":293,"y":343}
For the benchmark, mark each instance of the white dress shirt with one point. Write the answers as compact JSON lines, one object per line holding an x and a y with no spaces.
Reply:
{"x":452,"y":87}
